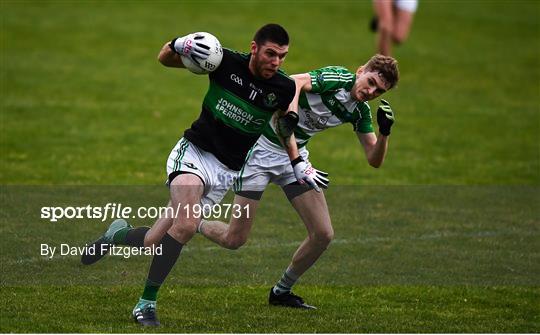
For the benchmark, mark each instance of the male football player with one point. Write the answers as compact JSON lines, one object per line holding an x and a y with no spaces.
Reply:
{"x":392,"y":21}
{"x":325,"y":98}
{"x":244,"y":92}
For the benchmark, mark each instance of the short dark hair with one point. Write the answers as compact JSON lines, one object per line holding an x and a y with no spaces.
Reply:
{"x":271,"y":32}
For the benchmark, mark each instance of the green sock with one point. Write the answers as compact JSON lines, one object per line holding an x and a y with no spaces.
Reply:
{"x":120,"y":236}
{"x":150,"y":290}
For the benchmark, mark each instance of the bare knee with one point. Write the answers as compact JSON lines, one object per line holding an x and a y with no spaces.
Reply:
{"x":323,"y":237}
{"x":183,"y":232}
{"x":386,"y":27}
{"x":150,"y":241}
{"x":234,"y":242}
{"x":398,"y":38}
{"x":402,"y":26}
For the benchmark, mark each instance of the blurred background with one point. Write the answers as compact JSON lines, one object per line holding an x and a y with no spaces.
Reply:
{"x":84,"y":100}
{"x":442,"y":238}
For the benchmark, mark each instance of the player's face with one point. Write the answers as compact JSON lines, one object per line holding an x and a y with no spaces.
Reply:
{"x":267,"y":58}
{"x":368,"y":85}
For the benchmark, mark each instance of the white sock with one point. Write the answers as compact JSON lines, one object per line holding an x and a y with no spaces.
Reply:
{"x":286,"y":282}
{"x":199,"y":227}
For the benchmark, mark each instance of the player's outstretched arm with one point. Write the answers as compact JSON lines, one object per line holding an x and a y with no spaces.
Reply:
{"x":303,"y":84}
{"x":376,"y":147}
{"x":285,"y":125}
{"x":286,"y":122}
{"x":303,"y":171}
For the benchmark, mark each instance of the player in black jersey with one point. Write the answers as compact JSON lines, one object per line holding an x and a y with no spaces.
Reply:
{"x":244,"y":92}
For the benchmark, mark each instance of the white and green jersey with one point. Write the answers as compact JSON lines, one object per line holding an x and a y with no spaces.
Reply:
{"x":328,"y":104}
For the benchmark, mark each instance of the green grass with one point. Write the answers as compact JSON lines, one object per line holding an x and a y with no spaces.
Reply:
{"x":446,"y":259}
{"x":242,"y":309}
{"x":448,"y":243}
{"x":81,"y":79}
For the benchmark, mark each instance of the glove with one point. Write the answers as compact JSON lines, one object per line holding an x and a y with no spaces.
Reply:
{"x":305,"y":173}
{"x":385,"y":118}
{"x":286,"y":124}
{"x":190,"y":47}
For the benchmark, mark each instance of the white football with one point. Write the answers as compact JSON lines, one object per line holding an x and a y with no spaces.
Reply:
{"x":195,"y":64}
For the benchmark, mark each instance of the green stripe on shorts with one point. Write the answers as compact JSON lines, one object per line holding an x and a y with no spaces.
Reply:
{"x":237,"y":186}
{"x":184,"y":144}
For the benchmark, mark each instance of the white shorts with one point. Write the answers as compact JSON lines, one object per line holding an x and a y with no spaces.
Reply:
{"x":217,"y":178}
{"x":407,"y":5}
{"x":266,"y":163}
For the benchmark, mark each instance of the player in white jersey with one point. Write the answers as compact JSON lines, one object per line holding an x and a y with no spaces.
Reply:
{"x":325,"y":98}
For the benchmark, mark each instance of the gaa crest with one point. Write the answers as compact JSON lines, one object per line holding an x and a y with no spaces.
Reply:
{"x":270,"y":100}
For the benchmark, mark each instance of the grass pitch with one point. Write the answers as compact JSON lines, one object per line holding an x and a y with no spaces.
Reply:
{"x":443,"y":238}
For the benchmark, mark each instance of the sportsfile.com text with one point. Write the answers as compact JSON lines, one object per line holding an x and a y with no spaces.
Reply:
{"x":119,"y":211}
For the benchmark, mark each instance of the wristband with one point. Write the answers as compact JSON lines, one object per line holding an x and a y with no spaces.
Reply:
{"x":384,"y":133}
{"x":171,"y":45}
{"x":297,"y":160}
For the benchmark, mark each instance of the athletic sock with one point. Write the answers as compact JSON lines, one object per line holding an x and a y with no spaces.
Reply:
{"x":161,"y":266}
{"x":199,"y":227}
{"x":133,"y":237}
{"x":286,"y":282}
{"x":150,"y":291}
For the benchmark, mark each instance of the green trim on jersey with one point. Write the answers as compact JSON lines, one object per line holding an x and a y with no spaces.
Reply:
{"x":244,"y":55}
{"x":302,"y":101}
{"x":325,"y":82}
{"x":328,"y":82}
{"x":337,"y":108}
{"x":331,"y":78}
{"x":235,"y":112}
{"x":362,"y":115}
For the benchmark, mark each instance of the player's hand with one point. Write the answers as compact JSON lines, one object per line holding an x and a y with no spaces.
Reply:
{"x":286,"y":124}
{"x":189,"y":46}
{"x":307,"y":174}
{"x":385,"y":118}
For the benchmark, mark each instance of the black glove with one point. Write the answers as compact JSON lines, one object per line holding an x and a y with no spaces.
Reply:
{"x":286,"y":124}
{"x":385,"y":118}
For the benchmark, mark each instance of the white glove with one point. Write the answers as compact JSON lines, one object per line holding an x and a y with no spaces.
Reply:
{"x":189,"y":46}
{"x":305,"y":173}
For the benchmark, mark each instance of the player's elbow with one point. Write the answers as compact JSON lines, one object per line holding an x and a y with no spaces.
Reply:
{"x":167,"y":57}
{"x":163,"y":58}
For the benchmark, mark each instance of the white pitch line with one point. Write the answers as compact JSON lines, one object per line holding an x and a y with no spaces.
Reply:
{"x":360,"y":240}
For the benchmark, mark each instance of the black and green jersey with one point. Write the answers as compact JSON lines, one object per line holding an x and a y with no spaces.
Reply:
{"x":328,"y":104}
{"x":236,"y":109}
